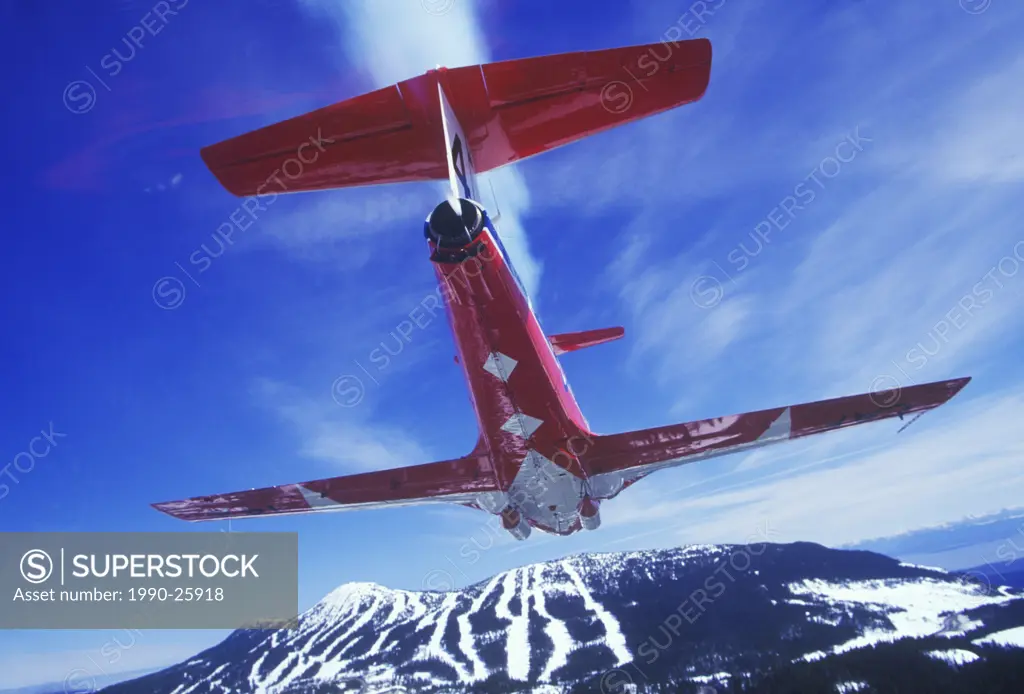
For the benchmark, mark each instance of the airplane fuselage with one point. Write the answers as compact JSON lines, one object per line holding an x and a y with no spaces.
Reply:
{"x":536,"y":464}
{"x":530,"y":424}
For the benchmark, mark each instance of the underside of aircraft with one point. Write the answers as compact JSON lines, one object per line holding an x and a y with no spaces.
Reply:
{"x":536,"y":464}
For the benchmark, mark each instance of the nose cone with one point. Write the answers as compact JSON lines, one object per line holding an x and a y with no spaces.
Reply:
{"x":450,"y":229}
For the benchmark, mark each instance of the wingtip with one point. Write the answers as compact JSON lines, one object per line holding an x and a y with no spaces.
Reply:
{"x":957,"y":384}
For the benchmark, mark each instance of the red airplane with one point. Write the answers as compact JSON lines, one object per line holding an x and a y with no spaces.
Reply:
{"x":537,"y":463}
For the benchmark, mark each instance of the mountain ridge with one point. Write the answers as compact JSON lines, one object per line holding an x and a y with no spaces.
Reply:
{"x":673,"y":617}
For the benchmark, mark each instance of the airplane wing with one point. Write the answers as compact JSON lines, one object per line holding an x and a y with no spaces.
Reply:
{"x":459,"y":481}
{"x":509,"y":111}
{"x":616,"y":461}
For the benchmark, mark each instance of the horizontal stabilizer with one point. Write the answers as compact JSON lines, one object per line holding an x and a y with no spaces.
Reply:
{"x":507,"y":110}
{"x":458,"y":481}
{"x":570,"y":342}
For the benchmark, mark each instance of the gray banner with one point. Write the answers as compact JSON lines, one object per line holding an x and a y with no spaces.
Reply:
{"x":197,"y":580}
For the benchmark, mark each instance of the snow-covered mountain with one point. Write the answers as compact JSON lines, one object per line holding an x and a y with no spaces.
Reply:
{"x":615,"y":623}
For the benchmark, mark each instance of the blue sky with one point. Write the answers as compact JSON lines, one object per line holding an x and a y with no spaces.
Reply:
{"x":904,"y":266}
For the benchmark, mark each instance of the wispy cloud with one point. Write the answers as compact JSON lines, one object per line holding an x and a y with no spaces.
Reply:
{"x":349,"y":440}
{"x":174,"y":181}
{"x":891,"y":244}
{"x":344,"y":227}
{"x":907,"y":267}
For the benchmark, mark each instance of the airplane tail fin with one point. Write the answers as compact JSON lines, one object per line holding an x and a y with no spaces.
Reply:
{"x":500,"y":112}
{"x":461,"y":176}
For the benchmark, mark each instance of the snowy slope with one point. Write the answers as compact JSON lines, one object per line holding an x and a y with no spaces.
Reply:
{"x":688,"y":614}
